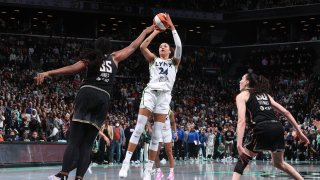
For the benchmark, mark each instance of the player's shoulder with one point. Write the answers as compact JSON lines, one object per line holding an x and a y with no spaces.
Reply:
{"x":243,"y":95}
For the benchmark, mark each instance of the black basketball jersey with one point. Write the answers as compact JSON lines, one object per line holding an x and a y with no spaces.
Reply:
{"x":259,"y":108}
{"x":229,"y":135}
{"x":101,"y":74}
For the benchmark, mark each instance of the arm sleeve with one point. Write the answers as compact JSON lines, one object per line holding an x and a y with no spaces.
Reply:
{"x":177,"y":42}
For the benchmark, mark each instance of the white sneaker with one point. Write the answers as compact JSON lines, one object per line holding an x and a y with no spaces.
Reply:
{"x":147,"y":174}
{"x":53,"y":177}
{"x":124,"y":170}
{"x":89,"y":169}
{"x":94,"y":164}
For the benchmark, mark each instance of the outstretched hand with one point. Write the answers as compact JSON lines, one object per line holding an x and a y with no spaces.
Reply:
{"x":149,"y":29}
{"x":40,"y":77}
{"x":169,"y":21}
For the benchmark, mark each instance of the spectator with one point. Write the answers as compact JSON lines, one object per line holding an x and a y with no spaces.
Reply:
{"x":35,"y":137}
{"x":203,"y":138}
{"x":210,"y":143}
{"x":25,"y":137}
{"x":105,"y":132}
{"x":2,"y":118}
{"x":1,"y":135}
{"x":118,"y":139}
{"x":54,"y":133}
{"x":193,"y":142}
{"x":179,"y":144}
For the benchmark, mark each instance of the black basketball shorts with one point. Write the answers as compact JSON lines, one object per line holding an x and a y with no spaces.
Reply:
{"x":267,"y":136}
{"x":91,"y":106}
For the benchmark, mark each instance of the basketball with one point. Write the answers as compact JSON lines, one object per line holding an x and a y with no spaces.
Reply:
{"x":160,"y":20}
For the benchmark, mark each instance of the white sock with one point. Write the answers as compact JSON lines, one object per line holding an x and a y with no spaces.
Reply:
{"x":158,"y":170}
{"x":128,"y":157}
{"x":149,"y":164}
{"x":171,"y":170}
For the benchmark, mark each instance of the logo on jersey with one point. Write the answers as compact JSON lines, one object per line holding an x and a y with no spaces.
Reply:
{"x":163,"y":68}
{"x":263,"y":102}
{"x":163,"y":64}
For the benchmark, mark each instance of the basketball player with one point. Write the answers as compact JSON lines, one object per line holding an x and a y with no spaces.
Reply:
{"x":156,"y":96}
{"x":92,"y":100}
{"x":267,"y":130}
{"x":166,"y":138}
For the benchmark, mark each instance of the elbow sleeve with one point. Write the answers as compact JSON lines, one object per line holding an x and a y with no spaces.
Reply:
{"x":177,"y":42}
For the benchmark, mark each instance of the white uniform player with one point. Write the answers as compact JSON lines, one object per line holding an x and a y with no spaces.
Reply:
{"x":157,"y":95}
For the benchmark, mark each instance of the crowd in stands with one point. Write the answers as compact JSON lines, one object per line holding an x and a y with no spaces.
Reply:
{"x":216,"y":5}
{"x":203,"y":101}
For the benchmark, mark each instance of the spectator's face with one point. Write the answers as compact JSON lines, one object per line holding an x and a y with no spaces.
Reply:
{"x":25,"y":135}
{"x":26,"y":123}
{"x":67,"y":116}
{"x":35,"y":135}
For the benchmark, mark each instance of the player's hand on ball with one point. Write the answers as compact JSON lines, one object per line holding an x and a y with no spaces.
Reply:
{"x":169,"y":21}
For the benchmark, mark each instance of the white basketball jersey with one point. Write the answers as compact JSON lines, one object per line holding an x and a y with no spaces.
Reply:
{"x":162,"y":74}
{"x":167,"y":124}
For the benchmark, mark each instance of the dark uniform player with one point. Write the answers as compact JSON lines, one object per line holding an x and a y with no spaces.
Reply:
{"x":268,"y":132}
{"x":92,"y":101}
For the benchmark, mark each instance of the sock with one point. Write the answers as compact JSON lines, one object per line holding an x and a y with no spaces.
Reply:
{"x":128,"y":157}
{"x":158,"y":170}
{"x":149,"y":164}
{"x":171,"y":170}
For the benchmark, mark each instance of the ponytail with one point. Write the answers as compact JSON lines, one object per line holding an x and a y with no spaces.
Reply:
{"x":258,"y":84}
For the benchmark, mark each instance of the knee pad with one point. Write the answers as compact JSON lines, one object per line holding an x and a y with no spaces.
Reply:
{"x":156,"y":133}
{"x":240,"y":166}
{"x":138,"y":130}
